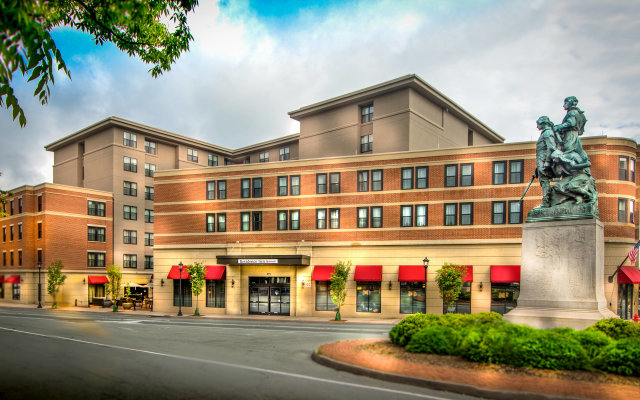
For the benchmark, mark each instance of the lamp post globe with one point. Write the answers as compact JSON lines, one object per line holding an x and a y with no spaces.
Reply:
{"x":180,"y":290}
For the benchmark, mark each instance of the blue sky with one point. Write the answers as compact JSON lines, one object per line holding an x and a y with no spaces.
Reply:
{"x":506,"y":62}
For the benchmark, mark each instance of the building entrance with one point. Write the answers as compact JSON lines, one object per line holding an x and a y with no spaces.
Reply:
{"x":269,"y":295}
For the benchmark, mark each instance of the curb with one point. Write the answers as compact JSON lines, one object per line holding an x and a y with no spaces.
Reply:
{"x":431,"y":384}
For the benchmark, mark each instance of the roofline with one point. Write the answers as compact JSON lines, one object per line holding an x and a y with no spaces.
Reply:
{"x":408,"y":81}
{"x":59,"y":186}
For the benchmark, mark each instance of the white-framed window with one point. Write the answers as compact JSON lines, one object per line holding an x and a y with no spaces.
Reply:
{"x":264,"y":157}
{"x":192,"y":155}
{"x":284,"y":153}
{"x":130,"y":139}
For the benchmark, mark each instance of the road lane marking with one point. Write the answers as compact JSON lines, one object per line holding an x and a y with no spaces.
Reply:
{"x":228,"y":365}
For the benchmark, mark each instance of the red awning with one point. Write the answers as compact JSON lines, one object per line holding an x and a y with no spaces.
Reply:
{"x":1,"y":278}
{"x":13,"y":279}
{"x":368,"y":273}
{"x":505,"y":273}
{"x":411,"y":273}
{"x":97,"y":279}
{"x":175,"y":273}
{"x":469,"y":276}
{"x":322,"y":272}
{"x":629,"y":275}
{"x":216,"y":272}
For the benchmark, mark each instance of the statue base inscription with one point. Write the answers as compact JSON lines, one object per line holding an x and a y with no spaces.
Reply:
{"x":562,"y":275}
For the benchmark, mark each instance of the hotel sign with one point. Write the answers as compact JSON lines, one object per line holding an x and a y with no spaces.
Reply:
{"x":271,"y":259}
{"x":257,"y":261}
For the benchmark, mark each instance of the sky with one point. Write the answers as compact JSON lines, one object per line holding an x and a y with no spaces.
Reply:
{"x":506,"y":62}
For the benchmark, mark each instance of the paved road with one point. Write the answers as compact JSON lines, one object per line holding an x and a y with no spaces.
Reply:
{"x":80,"y":355}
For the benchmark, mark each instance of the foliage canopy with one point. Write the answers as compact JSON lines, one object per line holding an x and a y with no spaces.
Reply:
{"x":197,"y":272}
{"x":449,"y":280}
{"x":338,"y":285}
{"x":55,"y":279}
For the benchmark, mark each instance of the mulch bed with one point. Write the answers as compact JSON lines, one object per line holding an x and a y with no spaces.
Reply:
{"x":382,"y":355}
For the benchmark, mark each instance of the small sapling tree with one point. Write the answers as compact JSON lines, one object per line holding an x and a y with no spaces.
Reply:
{"x":115,"y":276}
{"x":55,"y":279}
{"x":338,"y":285}
{"x":449,"y":280}
{"x":197,"y":272}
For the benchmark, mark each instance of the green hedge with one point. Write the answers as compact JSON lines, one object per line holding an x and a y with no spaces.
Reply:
{"x":610,"y":345}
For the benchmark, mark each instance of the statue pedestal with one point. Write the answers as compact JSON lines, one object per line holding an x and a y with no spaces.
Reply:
{"x":562,"y":275}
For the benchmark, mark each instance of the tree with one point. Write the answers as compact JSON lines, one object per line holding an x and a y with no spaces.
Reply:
{"x":55,"y":279}
{"x":449,"y":280}
{"x":338,"y":285}
{"x":115,"y":276}
{"x":197,"y":271}
{"x":140,"y":28}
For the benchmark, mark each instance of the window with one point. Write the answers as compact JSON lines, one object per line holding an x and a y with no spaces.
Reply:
{"x":450,"y":175}
{"x":622,"y":210}
{"x":334,"y":218}
{"x":148,"y":262}
{"x":148,"y":216}
{"x":95,"y":260}
{"x":186,"y":292}
{"x":40,"y":203}
{"x":323,"y":297}
{"x":148,"y":239}
{"x":4,"y":258}
{"x":623,"y":168}
{"x":11,"y":232}
{"x":245,"y":188}
{"x":130,"y":139}
{"x":284,"y":153}
{"x":406,"y":216}
{"x":516,"y":174}
{"x":421,"y":215}
{"x":211,"y":190}
{"x":96,"y":234}
{"x":321,"y":218}
{"x":466,"y":213}
{"x":368,"y":297}
{"x":211,"y":223}
{"x":257,"y":187}
{"x":222,"y":222}
{"x":215,"y":293}
{"x":130,"y":237}
{"x":504,"y":297}
{"x":497,"y":212}
{"x":450,"y":214}
{"x":130,"y":164}
{"x":130,"y":212}
{"x":282,"y":185}
{"x":39,"y":255}
{"x":222,"y":190}
{"x":282,"y":220}
{"x":245,"y":221}
{"x":376,"y":180}
{"x":212,"y":160}
{"x":20,"y":205}
{"x":96,"y":208}
{"x":192,"y":155}
{"x":412,"y":299}
{"x":257,"y":220}
{"x":366,"y":143}
{"x":20,"y":258}
{"x":321,"y":183}
{"x":463,"y":304}
{"x":406,"y":178}
{"x":363,"y":217}
{"x":334,"y":179}
{"x":11,"y":204}
{"x":11,"y":258}
{"x":499,"y":172}
{"x":130,"y":188}
{"x":632,"y":169}
{"x":130,"y":261}
{"x":466,"y":174}
{"x":4,"y":233}
{"x":294,"y":220}
{"x":148,"y":193}
{"x":16,"y":291}
{"x":295,"y":185}
{"x":366,"y":113}
{"x":515,"y":213}
{"x":263,"y":157}
{"x":422,"y":177}
{"x":376,"y":217}
{"x":150,"y":147}
{"x":149,"y":170}
{"x":39,"y":231}
{"x":19,"y":231}
{"x":363,"y":181}
{"x":632,"y":211}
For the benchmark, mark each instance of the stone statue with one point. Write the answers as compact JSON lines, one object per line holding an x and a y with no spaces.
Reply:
{"x":560,"y":158}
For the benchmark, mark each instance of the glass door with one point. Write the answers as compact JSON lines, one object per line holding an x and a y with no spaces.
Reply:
{"x":269,"y":295}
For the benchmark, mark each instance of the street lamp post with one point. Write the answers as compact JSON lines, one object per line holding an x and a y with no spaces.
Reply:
{"x":39,"y":285}
{"x":180,"y":276}
{"x":425,"y":262}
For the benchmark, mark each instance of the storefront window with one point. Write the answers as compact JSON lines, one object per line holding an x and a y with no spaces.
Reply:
{"x":625,"y":301}
{"x":412,"y":297}
{"x":16,"y":291}
{"x":215,"y":293}
{"x":323,"y":297}
{"x":463,"y":304}
{"x":368,"y":297}
{"x":186,"y":293}
{"x":504,"y":297}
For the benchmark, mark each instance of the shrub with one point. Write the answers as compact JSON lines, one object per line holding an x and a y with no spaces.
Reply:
{"x":547,"y":349}
{"x":620,"y":357}
{"x":592,"y":343}
{"x":405,"y":329}
{"x":616,"y":328}
{"x":435,"y":339}
{"x":489,"y":343}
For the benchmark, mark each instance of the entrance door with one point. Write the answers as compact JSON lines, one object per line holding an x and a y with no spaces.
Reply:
{"x":269,"y":295}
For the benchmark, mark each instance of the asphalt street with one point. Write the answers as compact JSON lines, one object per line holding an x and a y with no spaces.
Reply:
{"x":48,"y":354}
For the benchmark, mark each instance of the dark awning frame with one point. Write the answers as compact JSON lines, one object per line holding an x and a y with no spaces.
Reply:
{"x":297,"y":260}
